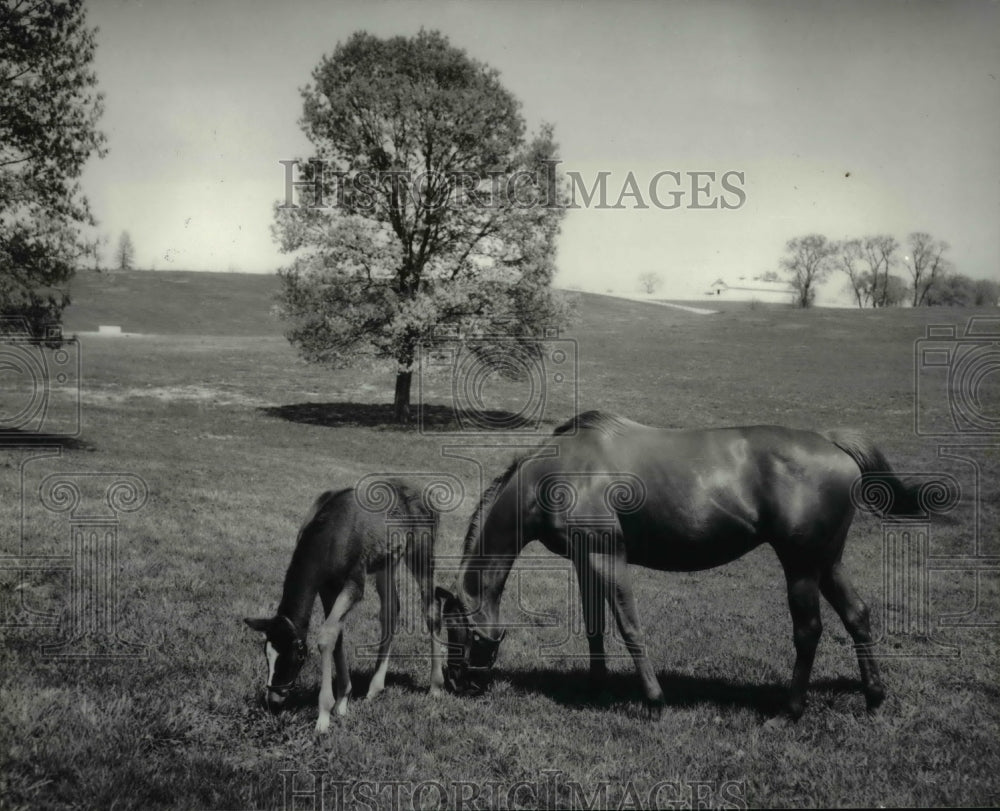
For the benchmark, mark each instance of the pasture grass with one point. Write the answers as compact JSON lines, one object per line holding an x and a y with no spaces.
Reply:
{"x":234,"y":437}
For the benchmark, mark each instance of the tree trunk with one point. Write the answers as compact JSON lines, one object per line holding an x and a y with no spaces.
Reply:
{"x":401,"y":402}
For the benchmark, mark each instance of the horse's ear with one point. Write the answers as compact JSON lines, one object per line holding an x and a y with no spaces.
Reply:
{"x":258,"y":624}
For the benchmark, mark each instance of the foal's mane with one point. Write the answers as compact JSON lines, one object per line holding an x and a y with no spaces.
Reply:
{"x":608,"y":424}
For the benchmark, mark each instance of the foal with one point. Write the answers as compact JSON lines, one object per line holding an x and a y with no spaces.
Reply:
{"x":342,"y":539}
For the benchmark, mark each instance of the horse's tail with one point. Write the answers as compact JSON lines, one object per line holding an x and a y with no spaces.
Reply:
{"x":880,"y":490}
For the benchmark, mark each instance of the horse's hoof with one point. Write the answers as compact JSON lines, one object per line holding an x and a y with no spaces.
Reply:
{"x":777,"y":723}
{"x":436,"y":692}
{"x":874,"y":698}
{"x":341,"y":709}
{"x":323,"y":725}
{"x":795,"y":709}
{"x":654,"y":709}
{"x":374,"y":694}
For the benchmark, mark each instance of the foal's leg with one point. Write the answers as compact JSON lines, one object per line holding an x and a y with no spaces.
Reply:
{"x":609,"y":573}
{"x":343,"y":677}
{"x":331,"y":638}
{"x":854,"y":614}
{"x":385,"y":583}
{"x":421,"y":566}
{"x":803,"y":601}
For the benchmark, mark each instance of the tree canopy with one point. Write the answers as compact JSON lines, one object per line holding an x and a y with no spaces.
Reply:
{"x":426,"y":208}
{"x":49,"y":109}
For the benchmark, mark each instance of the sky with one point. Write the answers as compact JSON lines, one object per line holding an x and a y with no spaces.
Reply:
{"x":843,"y":118}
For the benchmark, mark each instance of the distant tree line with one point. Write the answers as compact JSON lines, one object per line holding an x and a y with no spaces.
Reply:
{"x":868,"y":263}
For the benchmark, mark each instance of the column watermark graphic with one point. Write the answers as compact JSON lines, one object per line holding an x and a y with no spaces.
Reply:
{"x":441,"y":493}
{"x":70,"y":531}
{"x":956,"y":374}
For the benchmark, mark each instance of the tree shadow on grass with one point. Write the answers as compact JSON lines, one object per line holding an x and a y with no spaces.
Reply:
{"x":622,"y":687}
{"x":14,"y":437}
{"x":425,"y":417}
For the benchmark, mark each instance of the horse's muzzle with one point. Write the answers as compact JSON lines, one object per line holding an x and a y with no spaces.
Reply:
{"x":464,"y":681}
{"x":274,"y":697}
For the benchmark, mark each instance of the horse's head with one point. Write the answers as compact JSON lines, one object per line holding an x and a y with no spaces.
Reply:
{"x":471,"y":651}
{"x":285,"y":651}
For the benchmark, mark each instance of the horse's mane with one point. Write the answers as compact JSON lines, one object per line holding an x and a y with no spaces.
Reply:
{"x":485,"y":502}
{"x":609,"y":424}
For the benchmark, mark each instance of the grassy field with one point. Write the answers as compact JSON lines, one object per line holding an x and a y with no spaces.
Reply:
{"x":234,"y":437}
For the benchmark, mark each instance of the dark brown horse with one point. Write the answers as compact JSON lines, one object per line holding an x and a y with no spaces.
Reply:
{"x":347,"y":535}
{"x":606,"y":492}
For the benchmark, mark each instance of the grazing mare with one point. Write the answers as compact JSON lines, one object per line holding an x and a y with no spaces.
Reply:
{"x":605,"y":492}
{"x":342,"y":539}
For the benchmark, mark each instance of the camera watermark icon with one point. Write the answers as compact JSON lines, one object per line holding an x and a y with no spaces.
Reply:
{"x":88,"y":620}
{"x":957,"y":379}
{"x":498,"y":383}
{"x":39,"y":380}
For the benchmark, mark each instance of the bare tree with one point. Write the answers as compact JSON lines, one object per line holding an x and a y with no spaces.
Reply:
{"x":926,"y":264}
{"x":650,"y":282}
{"x":809,"y":263}
{"x":848,"y":260}
{"x":125,"y":253}
{"x":877,"y":252}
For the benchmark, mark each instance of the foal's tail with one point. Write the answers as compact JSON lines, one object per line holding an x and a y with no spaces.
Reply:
{"x":879,"y":490}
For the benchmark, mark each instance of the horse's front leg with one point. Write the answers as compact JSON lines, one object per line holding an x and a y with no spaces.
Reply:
{"x":421,"y":566}
{"x":592,"y":598}
{"x":330,"y":637}
{"x":610,"y":575}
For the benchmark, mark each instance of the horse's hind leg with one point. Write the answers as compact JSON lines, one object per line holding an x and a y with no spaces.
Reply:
{"x":385,"y":583}
{"x":803,"y":600}
{"x":854,"y":614}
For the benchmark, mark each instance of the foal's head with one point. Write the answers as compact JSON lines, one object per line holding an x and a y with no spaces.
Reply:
{"x":285,"y":651}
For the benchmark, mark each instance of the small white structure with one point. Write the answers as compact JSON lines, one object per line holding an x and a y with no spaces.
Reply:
{"x":754,"y":289}
{"x":104,"y":329}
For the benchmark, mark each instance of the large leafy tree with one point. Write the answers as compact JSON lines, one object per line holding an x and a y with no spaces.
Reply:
{"x":425,"y":209}
{"x":49,"y":108}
